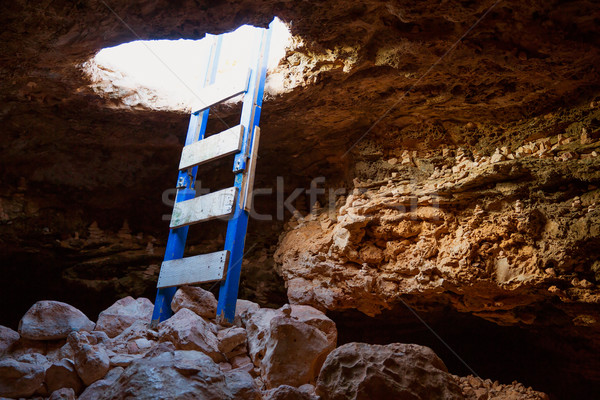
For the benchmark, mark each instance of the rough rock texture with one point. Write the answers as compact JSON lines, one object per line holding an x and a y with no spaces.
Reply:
{"x":510,"y":238}
{"x":8,"y":338}
{"x":91,"y":359}
{"x":294,"y":353}
{"x":49,"y":320}
{"x":289,"y":347}
{"x":180,"y":375}
{"x":200,"y":301}
{"x":20,"y":379}
{"x":362,"y":371}
{"x":475,"y":388}
{"x":187,"y":331}
{"x":286,"y":392}
{"x":231,"y":338}
{"x":62,"y":374}
{"x":123,"y":314}
{"x":63,"y":394}
{"x":99,"y":388}
{"x":82,"y":182}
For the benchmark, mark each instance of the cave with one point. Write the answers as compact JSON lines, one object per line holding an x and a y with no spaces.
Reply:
{"x":454,"y":146}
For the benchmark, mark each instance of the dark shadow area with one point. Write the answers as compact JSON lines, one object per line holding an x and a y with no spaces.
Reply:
{"x":542,"y":359}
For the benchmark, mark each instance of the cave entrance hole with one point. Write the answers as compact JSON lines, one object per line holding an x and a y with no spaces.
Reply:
{"x":163,"y":74}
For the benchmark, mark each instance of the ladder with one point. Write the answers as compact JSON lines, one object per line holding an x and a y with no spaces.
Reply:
{"x":233,"y":203}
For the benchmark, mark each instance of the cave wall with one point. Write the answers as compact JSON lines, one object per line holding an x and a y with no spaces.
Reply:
{"x":83,"y":177}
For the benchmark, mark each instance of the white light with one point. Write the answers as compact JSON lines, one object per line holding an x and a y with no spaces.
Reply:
{"x":162,"y":74}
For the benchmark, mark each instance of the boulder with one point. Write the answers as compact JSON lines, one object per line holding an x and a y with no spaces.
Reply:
{"x":316,"y":333}
{"x":63,"y":394}
{"x":50,"y":320}
{"x":20,"y":379}
{"x":187,"y":331}
{"x":182,"y":374}
{"x":123,"y":313}
{"x":8,"y":338}
{"x":243,"y":306}
{"x":395,"y":371}
{"x":286,"y":392}
{"x":313,"y":317}
{"x":98,"y":388}
{"x":200,"y":301}
{"x":231,"y":338}
{"x":258,"y":324}
{"x":91,"y":360}
{"x":295,"y":352}
{"x":62,"y":374}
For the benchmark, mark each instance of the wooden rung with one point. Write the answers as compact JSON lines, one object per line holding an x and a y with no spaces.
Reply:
{"x":193,"y":270}
{"x":220,"y":91}
{"x":213,"y":147}
{"x":203,"y":208}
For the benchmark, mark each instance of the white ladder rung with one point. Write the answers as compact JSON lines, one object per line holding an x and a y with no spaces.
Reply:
{"x":220,"y":91}
{"x":193,"y":270}
{"x":212,"y":205}
{"x":213,"y":147}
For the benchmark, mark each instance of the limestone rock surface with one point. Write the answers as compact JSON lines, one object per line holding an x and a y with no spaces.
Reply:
{"x":49,"y":320}
{"x":187,"y":331}
{"x":289,"y":345}
{"x":20,"y":379}
{"x":91,"y":360}
{"x":123,"y":313}
{"x":62,"y":374}
{"x":395,"y":371}
{"x":180,"y":375}
{"x":8,"y":338}
{"x":200,"y":301}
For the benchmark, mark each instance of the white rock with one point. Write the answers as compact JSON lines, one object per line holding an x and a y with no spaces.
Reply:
{"x":187,"y":331}
{"x":50,"y":320}
{"x":179,"y":375}
{"x":200,"y":301}
{"x":124,"y":313}
{"x":91,"y":361}
{"x":231,"y":338}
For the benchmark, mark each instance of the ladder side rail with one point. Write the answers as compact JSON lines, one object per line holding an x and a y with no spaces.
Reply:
{"x":237,"y":226}
{"x":177,"y":237}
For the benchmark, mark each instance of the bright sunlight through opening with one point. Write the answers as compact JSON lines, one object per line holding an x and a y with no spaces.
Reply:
{"x":162,"y":74}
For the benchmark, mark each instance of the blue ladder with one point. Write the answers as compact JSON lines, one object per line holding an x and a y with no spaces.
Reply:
{"x":233,"y":203}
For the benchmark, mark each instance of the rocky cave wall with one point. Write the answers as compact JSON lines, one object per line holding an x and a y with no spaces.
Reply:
{"x":472,"y":200}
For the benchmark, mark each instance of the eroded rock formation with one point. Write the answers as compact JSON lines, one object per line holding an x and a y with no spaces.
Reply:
{"x":476,"y":173}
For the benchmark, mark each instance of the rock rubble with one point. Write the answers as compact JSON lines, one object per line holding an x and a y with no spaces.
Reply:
{"x":276,"y":354}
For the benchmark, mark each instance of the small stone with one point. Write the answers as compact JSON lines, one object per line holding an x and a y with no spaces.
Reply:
{"x":231,"y":338}
{"x":63,"y":394}
{"x":392,"y":161}
{"x":240,"y":361}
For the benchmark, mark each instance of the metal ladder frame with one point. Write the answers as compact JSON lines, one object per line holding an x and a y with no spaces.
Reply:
{"x":243,"y":169}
